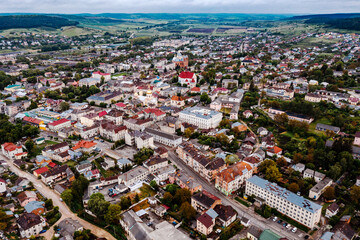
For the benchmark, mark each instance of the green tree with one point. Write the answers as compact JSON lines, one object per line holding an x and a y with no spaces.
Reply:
{"x":64,"y":106}
{"x":272,"y":173}
{"x":4,"y":220}
{"x":187,"y":211}
{"x":113,"y":214}
{"x":168,"y":198}
{"x":98,"y":205}
{"x":355,"y":194}
{"x":67,"y":196}
{"x":154,"y":185}
{"x":125,"y":203}
{"x":329,"y":193}
{"x":182,"y":195}
{"x":294,"y":187}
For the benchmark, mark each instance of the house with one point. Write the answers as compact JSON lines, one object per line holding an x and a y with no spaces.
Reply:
{"x":140,"y":139}
{"x":185,"y":180}
{"x":253,"y":233}
{"x":271,"y":151}
{"x":35,"y":207}
{"x":177,"y":101}
{"x":26,"y":197}
{"x":247,"y":114}
{"x":205,"y":224}
{"x":233,"y":177}
{"x":68,"y":227}
{"x":262,"y":131}
{"x":30,"y":224}
{"x":39,"y":171}
{"x":134,"y":176}
{"x":203,"y":201}
{"x":59,"y":124}
{"x":164,"y":138}
{"x":316,"y":191}
{"x":300,"y":167}
{"x":85,"y":146}
{"x":101,"y":75}
{"x":332,"y":210}
{"x":83,"y":167}
{"x":111,"y":131}
{"x":343,"y":231}
{"x":22,"y":182}
{"x":188,"y":78}
{"x":11,"y":150}
{"x":325,"y":127}
{"x":2,"y":186}
{"x":138,"y":124}
{"x":155,"y":163}
{"x":56,"y":174}
{"x":309,"y":173}
{"x":92,"y":174}
{"x":226,"y":215}
{"x":357,"y":139}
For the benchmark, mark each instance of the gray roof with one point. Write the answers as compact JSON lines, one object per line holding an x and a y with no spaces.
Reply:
{"x":285,"y":194}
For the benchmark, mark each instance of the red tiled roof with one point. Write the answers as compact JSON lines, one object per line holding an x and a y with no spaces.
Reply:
{"x":52,"y":164}
{"x":100,"y":73}
{"x":195,"y":89}
{"x":186,"y":75}
{"x":32,"y":120}
{"x":9,"y":147}
{"x":120,"y":104}
{"x":155,"y":111}
{"x":103,"y":113}
{"x":84,"y":144}
{"x":41,"y":170}
{"x":55,"y":123}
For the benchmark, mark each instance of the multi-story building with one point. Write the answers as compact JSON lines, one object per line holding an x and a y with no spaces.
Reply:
{"x":164,"y":138}
{"x":110,"y":131}
{"x":202,"y":201}
{"x":288,"y":203}
{"x":11,"y":150}
{"x":133,"y":176}
{"x":30,"y":224}
{"x":138,"y":124}
{"x":188,"y":78}
{"x":233,"y":177}
{"x":155,"y":163}
{"x":59,"y":124}
{"x":139,"y":139}
{"x":201,"y":117}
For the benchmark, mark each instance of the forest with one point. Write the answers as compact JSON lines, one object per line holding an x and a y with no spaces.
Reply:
{"x":34,"y":21}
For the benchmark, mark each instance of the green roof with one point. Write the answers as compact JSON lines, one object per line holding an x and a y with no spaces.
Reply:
{"x":269,"y":235}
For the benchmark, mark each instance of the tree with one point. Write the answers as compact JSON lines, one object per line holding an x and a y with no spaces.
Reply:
{"x":281,"y":119}
{"x":113,"y":214}
{"x":49,"y":204}
{"x":4,"y":220}
{"x":281,"y":162}
{"x":136,"y":198}
{"x":67,"y":196}
{"x":154,"y":185}
{"x":188,"y":132}
{"x":232,"y":158}
{"x":64,"y":106}
{"x":98,"y":205}
{"x":294,"y":187}
{"x":355,"y":194}
{"x":168,"y":198}
{"x":125,"y":203}
{"x":335,"y":171}
{"x":187,"y":211}
{"x":329,"y":193}
{"x":272,"y":173}
{"x":182,"y":195}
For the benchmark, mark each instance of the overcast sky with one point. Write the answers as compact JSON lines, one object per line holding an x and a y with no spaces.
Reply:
{"x":180,"y":6}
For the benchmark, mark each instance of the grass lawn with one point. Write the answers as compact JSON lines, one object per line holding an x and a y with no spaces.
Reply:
{"x":71,"y":163}
{"x":146,"y":191}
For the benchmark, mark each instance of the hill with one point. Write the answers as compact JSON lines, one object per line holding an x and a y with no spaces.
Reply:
{"x":34,"y":21}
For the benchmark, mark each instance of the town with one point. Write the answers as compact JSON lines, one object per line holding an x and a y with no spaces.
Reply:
{"x":249,"y":136}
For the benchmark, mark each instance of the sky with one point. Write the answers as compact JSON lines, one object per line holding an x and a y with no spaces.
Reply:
{"x":180,"y":6}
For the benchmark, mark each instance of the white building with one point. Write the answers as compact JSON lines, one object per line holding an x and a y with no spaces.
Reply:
{"x":201,"y":117}
{"x":133,"y":176}
{"x":2,"y":185}
{"x":296,"y":207}
{"x":59,"y":124}
{"x":164,"y":138}
{"x":30,"y":224}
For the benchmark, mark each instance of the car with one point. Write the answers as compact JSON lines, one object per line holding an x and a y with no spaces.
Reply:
{"x":274,"y":219}
{"x":288,"y":226}
{"x":279,"y":222}
{"x":61,"y":200}
{"x":43,"y":231}
{"x":294,"y":230}
{"x":306,"y":237}
{"x":285,"y":224}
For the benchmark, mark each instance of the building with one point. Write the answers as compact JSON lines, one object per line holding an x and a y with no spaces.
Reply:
{"x":205,"y":224}
{"x":357,"y":139}
{"x":201,"y":117}
{"x":100,"y":75}
{"x":138,"y":124}
{"x":2,"y":186}
{"x":180,"y":60}
{"x":30,"y":224}
{"x":25,"y":197}
{"x":164,"y":138}
{"x":11,"y":150}
{"x":292,"y":116}
{"x":332,"y":210}
{"x":59,"y":124}
{"x":68,"y":227}
{"x":111,"y":131}
{"x":203,"y":201}
{"x":232,"y":178}
{"x":309,"y":173}
{"x":155,"y":163}
{"x":312,"y":97}
{"x":139,"y":139}
{"x":316,"y":191}
{"x":188,"y":78}
{"x":325,"y":127}
{"x":35,"y":207}
{"x":185,"y":180}
{"x":288,"y":203}
{"x":177,"y":101}
{"x":133,"y":176}
{"x":226,"y":214}
{"x":286,"y":94}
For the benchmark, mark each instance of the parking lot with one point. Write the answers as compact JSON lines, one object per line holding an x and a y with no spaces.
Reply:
{"x":288,"y":227}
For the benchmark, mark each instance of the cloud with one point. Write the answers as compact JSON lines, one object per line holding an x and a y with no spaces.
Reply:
{"x":180,"y":6}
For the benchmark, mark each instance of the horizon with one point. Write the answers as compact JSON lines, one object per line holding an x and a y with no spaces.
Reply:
{"x":275,"y":7}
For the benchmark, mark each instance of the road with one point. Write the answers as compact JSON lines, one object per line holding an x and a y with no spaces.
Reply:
{"x":243,"y":211}
{"x":65,"y":211}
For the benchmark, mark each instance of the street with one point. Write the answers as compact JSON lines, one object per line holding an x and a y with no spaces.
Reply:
{"x":65,"y":211}
{"x":243,"y":211}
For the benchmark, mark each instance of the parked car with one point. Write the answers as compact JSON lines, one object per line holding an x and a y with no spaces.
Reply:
{"x":279,"y":222}
{"x":285,"y":224}
{"x":288,"y":226}
{"x":43,"y":231}
{"x":274,"y":219}
{"x":294,"y":230}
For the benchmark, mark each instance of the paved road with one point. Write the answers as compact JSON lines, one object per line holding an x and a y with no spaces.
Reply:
{"x":65,"y":211}
{"x":241,"y":209}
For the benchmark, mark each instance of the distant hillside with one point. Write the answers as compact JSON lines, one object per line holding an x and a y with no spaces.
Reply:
{"x":349,"y":21}
{"x":34,"y":21}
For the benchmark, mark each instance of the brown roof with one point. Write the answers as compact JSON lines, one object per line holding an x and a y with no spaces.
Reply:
{"x":28,"y":220}
{"x":206,"y":220}
{"x":205,"y":198}
{"x":225,"y":212}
